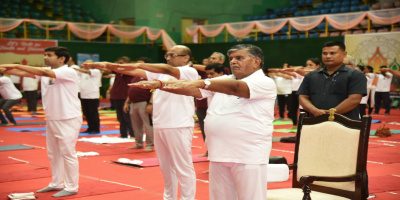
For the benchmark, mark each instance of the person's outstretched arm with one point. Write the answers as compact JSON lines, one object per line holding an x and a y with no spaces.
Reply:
{"x":16,"y":69}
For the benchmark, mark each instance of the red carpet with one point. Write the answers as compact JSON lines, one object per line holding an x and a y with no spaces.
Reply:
{"x":19,"y":176}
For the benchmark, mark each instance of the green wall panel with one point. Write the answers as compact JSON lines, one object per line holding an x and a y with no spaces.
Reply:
{"x":111,"y":52}
{"x":276,"y":52}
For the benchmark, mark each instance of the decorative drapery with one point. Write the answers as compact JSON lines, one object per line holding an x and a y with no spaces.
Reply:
{"x":87,"y":32}
{"x":271,"y":26}
{"x":91,"y":31}
{"x":306,"y":23}
{"x":240,"y":29}
{"x":212,"y":30}
{"x":126,"y":32}
{"x":385,"y":17}
{"x":343,"y":21}
{"x":9,"y":24}
{"x":51,"y":25}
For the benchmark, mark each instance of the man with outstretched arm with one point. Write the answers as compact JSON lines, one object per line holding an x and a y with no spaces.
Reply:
{"x":238,"y":124}
{"x":64,"y":118}
{"x":173,"y":122}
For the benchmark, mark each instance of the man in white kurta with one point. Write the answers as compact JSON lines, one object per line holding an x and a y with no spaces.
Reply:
{"x":64,"y":119}
{"x":172,"y":119}
{"x":239,"y":139}
{"x":238,"y":124}
{"x":89,"y":87}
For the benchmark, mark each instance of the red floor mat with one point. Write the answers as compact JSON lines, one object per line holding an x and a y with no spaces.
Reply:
{"x":385,"y":158}
{"x":86,"y":188}
{"x":383,"y":184}
{"x":25,"y":174}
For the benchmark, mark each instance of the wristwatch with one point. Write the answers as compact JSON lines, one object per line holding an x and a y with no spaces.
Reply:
{"x":207,"y":83}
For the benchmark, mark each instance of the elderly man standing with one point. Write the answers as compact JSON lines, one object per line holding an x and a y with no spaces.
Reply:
{"x":173,"y":122}
{"x":215,"y":57}
{"x":238,"y":124}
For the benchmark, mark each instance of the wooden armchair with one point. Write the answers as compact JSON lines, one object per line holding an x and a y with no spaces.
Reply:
{"x":330,"y":159}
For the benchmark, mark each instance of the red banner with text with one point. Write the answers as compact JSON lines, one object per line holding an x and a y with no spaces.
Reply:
{"x":24,"y":51}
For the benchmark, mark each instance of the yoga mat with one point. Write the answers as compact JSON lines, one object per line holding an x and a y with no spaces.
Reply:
{"x":14,"y":147}
{"x":24,"y":118}
{"x":282,"y":122}
{"x":109,"y":122}
{"x":374,"y":121}
{"x":151,"y":162}
{"x":26,"y":129}
{"x":107,"y":111}
{"x":101,"y":133}
{"x":286,"y":130}
{"x":105,"y":140}
{"x":37,"y":129}
{"x":391,"y":131}
{"x":111,"y":114}
{"x":107,"y":117}
{"x":25,"y":123}
{"x":7,"y":176}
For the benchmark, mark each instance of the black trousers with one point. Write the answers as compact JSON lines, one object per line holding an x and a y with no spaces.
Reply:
{"x":201,"y":115}
{"x":293,"y":107}
{"x":31,"y":100}
{"x":124,"y":118}
{"x":282,"y":102}
{"x":6,"y":105}
{"x":379,"y":97}
{"x":91,"y":112}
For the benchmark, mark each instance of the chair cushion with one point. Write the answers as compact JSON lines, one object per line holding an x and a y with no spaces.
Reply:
{"x":328,"y":149}
{"x":297,"y":193}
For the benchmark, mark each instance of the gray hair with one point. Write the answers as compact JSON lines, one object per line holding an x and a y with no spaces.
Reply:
{"x":221,"y":56}
{"x":254,"y":51}
{"x":352,"y":60}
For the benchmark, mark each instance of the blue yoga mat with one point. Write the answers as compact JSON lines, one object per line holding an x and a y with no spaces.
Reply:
{"x":25,"y":118}
{"x":101,"y":133}
{"x":36,"y":129}
{"x":374,"y":121}
{"x":26,"y":129}
{"x":391,"y":131}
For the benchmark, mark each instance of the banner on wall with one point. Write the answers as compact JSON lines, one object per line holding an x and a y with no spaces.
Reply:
{"x":82,"y":57}
{"x":24,"y":51}
{"x":375,"y":49}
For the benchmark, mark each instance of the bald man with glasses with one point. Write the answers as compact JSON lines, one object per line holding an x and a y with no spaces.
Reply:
{"x":173,"y":122}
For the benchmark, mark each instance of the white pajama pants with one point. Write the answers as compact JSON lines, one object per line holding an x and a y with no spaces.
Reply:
{"x":236,"y":181}
{"x":61,"y":138}
{"x":174,"y":153}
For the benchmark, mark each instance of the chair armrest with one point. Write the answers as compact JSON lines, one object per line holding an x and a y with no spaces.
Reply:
{"x":291,"y":166}
{"x":310,"y":179}
{"x":307,"y":180}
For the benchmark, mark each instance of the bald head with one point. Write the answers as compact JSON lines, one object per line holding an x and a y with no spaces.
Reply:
{"x":178,"y":55}
{"x":184,"y":50}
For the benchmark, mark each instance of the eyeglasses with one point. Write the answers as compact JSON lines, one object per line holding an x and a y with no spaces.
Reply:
{"x":172,"y":55}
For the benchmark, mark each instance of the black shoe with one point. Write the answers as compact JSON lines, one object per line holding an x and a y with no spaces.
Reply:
{"x":85,"y":131}
{"x":94,"y":132}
